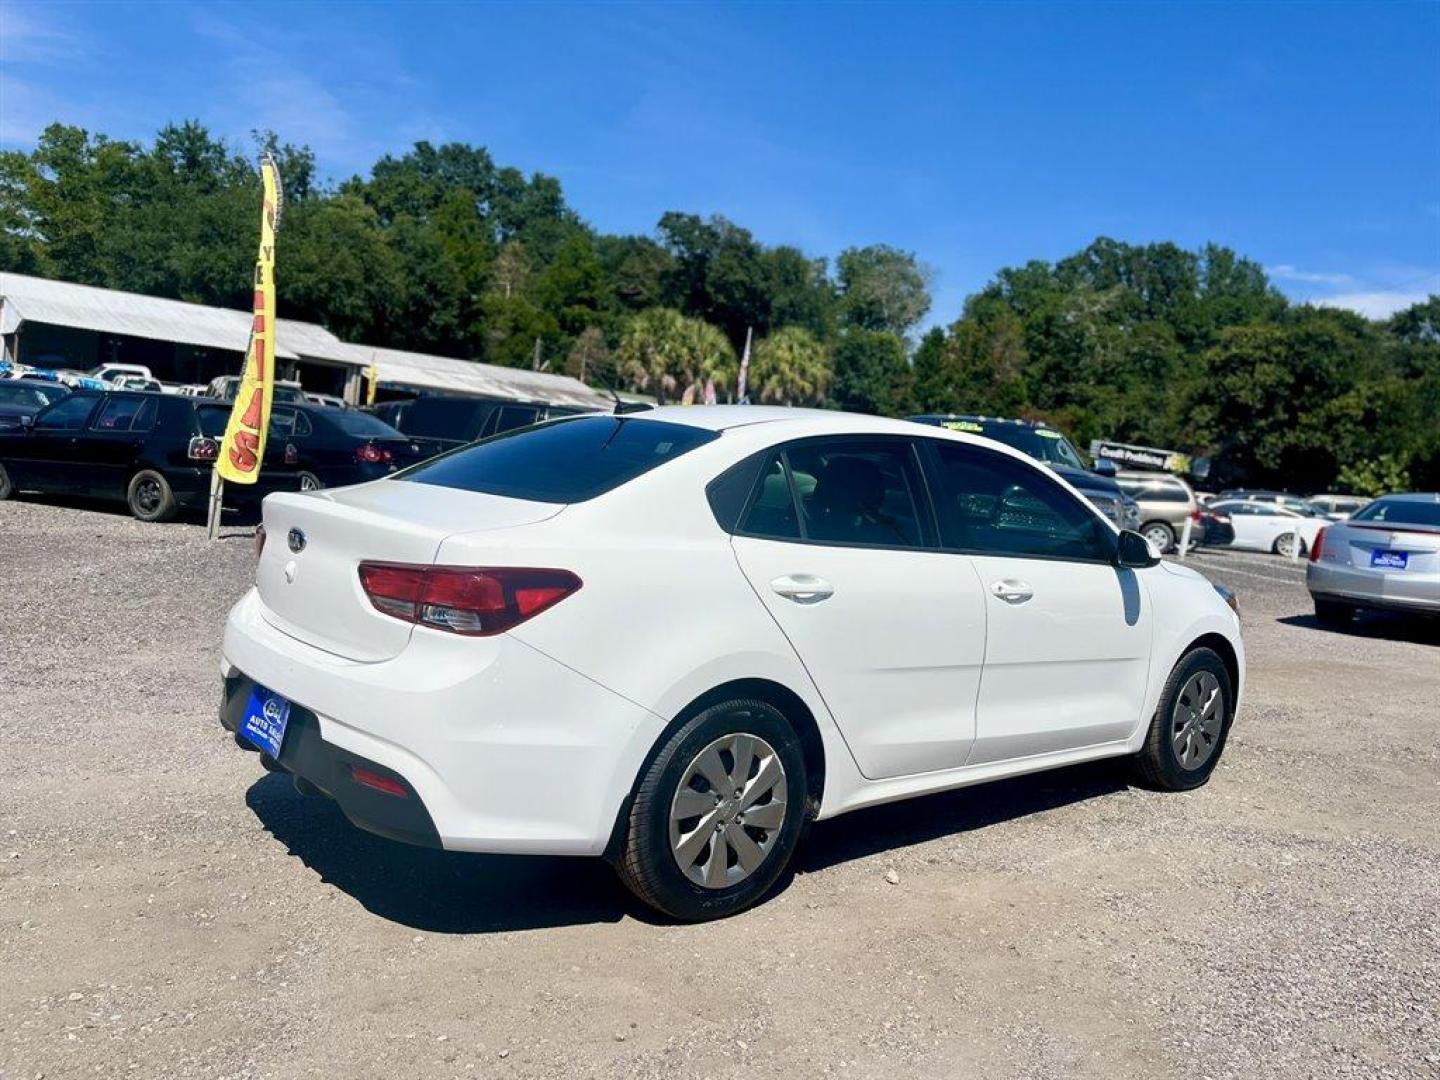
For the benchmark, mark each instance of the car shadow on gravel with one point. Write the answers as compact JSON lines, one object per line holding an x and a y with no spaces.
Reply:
{"x":1377,"y":625}
{"x":233,"y":516}
{"x":442,"y":892}
{"x":951,"y":813}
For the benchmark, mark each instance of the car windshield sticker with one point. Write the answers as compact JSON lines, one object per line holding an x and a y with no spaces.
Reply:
{"x":964,"y":425}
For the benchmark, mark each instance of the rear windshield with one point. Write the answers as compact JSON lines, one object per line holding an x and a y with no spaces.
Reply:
{"x":213,"y":419}
{"x":1401,"y":512}
{"x":564,"y":461}
{"x":359,"y":423}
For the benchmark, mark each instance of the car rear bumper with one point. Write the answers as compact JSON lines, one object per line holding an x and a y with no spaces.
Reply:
{"x":1418,"y":594}
{"x":505,"y":749}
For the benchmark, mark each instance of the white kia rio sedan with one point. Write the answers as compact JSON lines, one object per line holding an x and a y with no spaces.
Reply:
{"x":670,"y":638}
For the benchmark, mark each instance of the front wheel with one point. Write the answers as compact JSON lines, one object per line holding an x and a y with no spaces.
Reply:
{"x":1160,"y":535}
{"x":310,"y":482}
{"x":717,"y":814}
{"x":1190,"y":725}
{"x":149,"y":496}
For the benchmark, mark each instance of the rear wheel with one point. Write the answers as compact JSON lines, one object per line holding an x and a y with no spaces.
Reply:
{"x":1333,"y":614}
{"x":149,"y":496}
{"x":1188,"y":732}
{"x":1285,"y":545}
{"x":718,"y":813}
{"x":1160,"y":535}
{"x":310,"y":482}
{"x":6,"y":488}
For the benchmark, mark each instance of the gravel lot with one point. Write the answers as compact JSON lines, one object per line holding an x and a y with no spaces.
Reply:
{"x":169,"y":910}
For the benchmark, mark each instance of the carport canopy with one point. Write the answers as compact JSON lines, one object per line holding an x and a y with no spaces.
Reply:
{"x":420,"y":371}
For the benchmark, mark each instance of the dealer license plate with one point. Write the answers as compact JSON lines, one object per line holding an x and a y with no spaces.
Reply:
{"x":266,"y":715}
{"x":1389,"y":560}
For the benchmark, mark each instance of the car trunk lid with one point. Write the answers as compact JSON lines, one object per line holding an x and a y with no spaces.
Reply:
{"x":308,"y":573}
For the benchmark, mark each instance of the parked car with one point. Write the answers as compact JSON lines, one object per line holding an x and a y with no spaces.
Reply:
{"x":1215,"y":529}
{"x":1303,"y":507}
{"x":333,"y":447}
{"x":1338,"y":507}
{"x":226,"y":387}
{"x":1261,"y":526}
{"x":137,"y":382}
{"x":670,"y":638}
{"x":23,"y":398}
{"x":154,"y":451}
{"x":1386,"y":557}
{"x":78,"y":380}
{"x":443,"y":423}
{"x":329,"y":400}
{"x":1044,"y":443}
{"x":1165,"y":502}
{"x":111,"y":374}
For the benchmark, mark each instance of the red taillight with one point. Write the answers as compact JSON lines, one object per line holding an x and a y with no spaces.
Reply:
{"x":203,"y":448}
{"x":476,"y":601}
{"x":371,"y":779}
{"x":370,"y":454}
{"x":1318,"y":543}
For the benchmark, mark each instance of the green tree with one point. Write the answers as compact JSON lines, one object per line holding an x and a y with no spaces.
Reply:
{"x":665,"y":353}
{"x":872,"y":374}
{"x":882,"y":288}
{"x":790,"y":367}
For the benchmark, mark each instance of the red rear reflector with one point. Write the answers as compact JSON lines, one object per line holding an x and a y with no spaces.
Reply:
{"x":1317,"y":545}
{"x":371,"y":779}
{"x":476,"y":601}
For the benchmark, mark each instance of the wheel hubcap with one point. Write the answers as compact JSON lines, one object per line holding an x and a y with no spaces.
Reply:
{"x":1159,"y":537}
{"x":147,"y":496}
{"x":1197,"y":719}
{"x":309,"y":483}
{"x":728,"y":810}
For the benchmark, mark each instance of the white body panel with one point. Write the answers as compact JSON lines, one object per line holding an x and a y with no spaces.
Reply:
{"x":533,"y":739}
{"x":1258,"y":531}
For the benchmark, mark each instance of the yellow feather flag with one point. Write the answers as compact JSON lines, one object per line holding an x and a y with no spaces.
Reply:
{"x":243,"y":448}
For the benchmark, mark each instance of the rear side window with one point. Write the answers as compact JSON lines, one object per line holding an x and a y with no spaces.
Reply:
{"x":1144,"y":491}
{"x":212,"y":419}
{"x":990,"y":504}
{"x":510,"y":417}
{"x":772,"y":511}
{"x":126,"y":414}
{"x":562,"y":462}
{"x":361,"y":424}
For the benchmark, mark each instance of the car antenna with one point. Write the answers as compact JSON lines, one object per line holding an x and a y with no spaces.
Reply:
{"x":622,"y":407}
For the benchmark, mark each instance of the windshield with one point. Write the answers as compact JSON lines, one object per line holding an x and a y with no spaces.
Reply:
{"x":1390,"y":510}
{"x":562,"y":462}
{"x":16,"y":394}
{"x":359,"y":423}
{"x":1042,"y":444}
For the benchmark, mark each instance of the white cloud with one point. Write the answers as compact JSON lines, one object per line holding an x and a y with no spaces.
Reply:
{"x":1373,"y":305}
{"x":1286,"y":272}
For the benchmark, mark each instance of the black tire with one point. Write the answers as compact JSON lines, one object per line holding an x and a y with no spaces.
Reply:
{"x":1162,"y":532}
{"x":1158,"y":765}
{"x":6,"y":488}
{"x":1333,"y":614}
{"x":1275,"y":547}
{"x":308,"y":481}
{"x":647,"y":864}
{"x":149,"y":496}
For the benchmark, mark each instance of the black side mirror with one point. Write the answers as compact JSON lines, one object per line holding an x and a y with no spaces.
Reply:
{"x":26,"y":420}
{"x":1134,"y":551}
{"x":1105,"y":467}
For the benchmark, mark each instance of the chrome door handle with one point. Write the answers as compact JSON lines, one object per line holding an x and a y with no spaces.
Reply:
{"x":1012,"y":591}
{"x":803,"y":588}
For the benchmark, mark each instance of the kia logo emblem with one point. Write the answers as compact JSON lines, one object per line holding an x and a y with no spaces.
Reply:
{"x":296,"y":540}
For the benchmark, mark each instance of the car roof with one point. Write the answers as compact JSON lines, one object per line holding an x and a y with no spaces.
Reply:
{"x":724,"y":417}
{"x":975,"y":418}
{"x":1412,"y":496}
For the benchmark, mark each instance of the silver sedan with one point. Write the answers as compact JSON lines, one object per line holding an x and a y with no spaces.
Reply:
{"x":1386,"y":557}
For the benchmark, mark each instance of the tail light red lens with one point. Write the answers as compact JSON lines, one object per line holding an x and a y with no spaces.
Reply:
{"x":475,"y":601}
{"x":370,"y":454}
{"x":1316,"y":547}
{"x":203,"y":448}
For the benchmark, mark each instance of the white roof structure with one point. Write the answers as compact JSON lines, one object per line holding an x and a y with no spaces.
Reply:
{"x":84,"y":307}
{"x":422,"y":371}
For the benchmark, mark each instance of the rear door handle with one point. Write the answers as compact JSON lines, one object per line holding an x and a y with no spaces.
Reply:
{"x":803,"y":588}
{"x":1012,"y":591}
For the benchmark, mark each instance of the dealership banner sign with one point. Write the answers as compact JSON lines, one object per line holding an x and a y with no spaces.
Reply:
{"x":1149,"y":457}
{"x":243,"y":447}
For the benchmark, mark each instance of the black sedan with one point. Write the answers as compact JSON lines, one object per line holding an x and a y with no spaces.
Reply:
{"x":333,"y":447}
{"x":26,"y":397}
{"x":153,"y":451}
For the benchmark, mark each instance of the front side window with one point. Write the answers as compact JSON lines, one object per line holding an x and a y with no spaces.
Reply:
{"x":857,"y":492}
{"x":68,"y":414}
{"x":990,"y":504}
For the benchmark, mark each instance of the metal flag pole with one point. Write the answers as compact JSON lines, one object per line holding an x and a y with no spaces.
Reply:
{"x":217,"y":499}
{"x":741,"y":382}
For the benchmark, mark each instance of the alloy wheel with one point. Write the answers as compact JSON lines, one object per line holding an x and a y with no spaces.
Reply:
{"x":728,"y":810}
{"x":147,"y":496}
{"x":1197,"y":720}
{"x":1159,"y":536}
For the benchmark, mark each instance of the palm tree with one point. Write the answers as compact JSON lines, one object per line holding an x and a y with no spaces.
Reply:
{"x":790,"y":367}
{"x":664,"y":353}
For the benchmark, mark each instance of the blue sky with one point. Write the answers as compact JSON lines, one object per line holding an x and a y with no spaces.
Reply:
{"x":977,"y":135}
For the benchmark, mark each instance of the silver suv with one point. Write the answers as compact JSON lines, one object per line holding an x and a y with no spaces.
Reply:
{"x":1165,"y":502}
